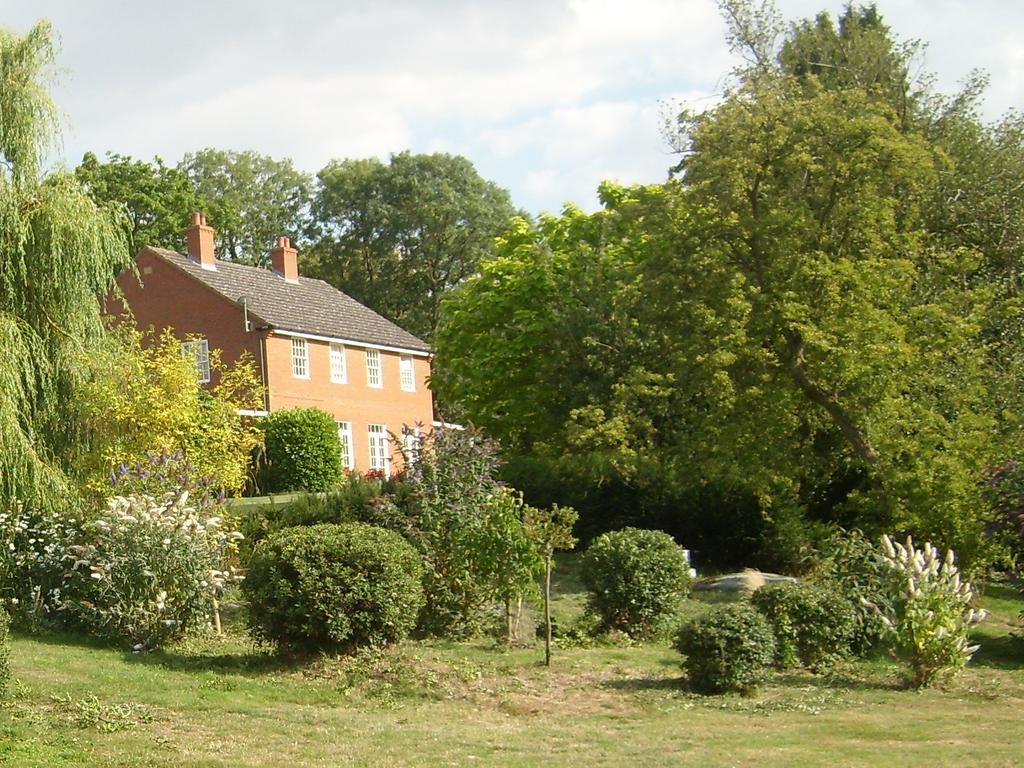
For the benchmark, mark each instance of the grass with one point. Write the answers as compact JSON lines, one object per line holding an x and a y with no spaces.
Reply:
{"x":225,"y":702}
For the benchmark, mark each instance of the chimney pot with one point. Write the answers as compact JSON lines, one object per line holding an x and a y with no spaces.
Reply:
{"x":200,"y":242}
{"x":285,"y":260}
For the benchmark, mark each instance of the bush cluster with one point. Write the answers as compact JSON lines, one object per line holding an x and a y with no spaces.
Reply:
{"x":468,"y":529}
{"x":143,"y":572}
{"x":356,"y":499}
{"x":33,"y":549}
{"x":730,"y":648}
{"x":855,"y":569}
{"x":333,"y":588}
{"x":147,"y":571}
{"x":303,"y":452}
{"x":635,"y":579}
{"x":813,"y":626}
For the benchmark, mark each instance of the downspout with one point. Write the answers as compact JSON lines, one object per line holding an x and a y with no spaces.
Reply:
{"x":261,"y":331}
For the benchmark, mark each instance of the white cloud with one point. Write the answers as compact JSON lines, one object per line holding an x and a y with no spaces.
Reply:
{"x":545,"y":96}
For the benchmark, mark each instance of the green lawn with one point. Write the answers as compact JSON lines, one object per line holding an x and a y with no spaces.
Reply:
{"x":225,"y":703}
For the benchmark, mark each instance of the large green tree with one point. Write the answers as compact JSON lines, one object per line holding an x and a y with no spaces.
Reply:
{"x":158,"y":200}
{"x":398,"y":236}
{"x":60,"y":254}
{"x":784,"y":318}
{"x":249,"y":199}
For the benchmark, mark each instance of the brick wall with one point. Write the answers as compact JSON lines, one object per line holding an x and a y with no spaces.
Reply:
{"x":354,"y":401}
{"x":167,"y":297}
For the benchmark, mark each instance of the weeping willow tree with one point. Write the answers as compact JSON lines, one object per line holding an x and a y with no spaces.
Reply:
{"x":59,"y":253}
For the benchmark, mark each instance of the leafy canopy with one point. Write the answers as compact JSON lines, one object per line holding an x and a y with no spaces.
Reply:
{"x":399,"y":236}
{"x":61,"y":252}
{"x":792,"y":317}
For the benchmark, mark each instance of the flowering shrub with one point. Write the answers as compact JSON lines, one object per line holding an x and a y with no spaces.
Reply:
{"x":931,"y":612}
{"x":467,"y":528}
{"x":634,"y":578}
{"x":855,"y":569}
{"x":147,"y":571}
{"x":33,"y":549}
{"x":156,"y":474}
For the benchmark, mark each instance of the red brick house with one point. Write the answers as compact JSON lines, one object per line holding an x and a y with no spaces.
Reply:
{"x":314,"y":345}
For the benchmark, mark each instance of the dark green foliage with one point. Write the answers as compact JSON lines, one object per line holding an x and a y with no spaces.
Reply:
{"x":158,"y":200}
{"x":1004,"y":491}
{"x":813,"y":625}
{"x":302,"y":451}
{"x":730,"y":648}
{"x":854,"y":568}
{"x":634,"y":578}
{"x":356,"y":499}
{"x":399,"y":236}
{"x":250,"y":199}
{"x":5,"y":652}
{"x":333,"y":588}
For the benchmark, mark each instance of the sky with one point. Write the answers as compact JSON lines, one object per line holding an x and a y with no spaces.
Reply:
{"x":546,"y":97}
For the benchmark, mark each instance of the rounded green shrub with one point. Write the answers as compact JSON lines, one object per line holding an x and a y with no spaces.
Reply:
{"x":730,"y":648}
{"x":813,"y":625}
{"x":333,"y":587}
{"x":635,"y":579}
{"x":303,"y":452}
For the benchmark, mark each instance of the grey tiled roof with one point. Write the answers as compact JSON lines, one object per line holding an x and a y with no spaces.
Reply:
{"x":309,"y":306}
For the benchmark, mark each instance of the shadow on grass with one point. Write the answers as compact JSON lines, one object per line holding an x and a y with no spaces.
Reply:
{"x":852,"y":678}
{"x":250,"y":663}
{"x":639,"y":684}
{"x":998,"y":651}
{"x":844,"y":679}
{"x":204,"y":659}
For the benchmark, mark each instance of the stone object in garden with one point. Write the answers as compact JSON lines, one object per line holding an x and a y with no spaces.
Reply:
{"x":742,"y":584}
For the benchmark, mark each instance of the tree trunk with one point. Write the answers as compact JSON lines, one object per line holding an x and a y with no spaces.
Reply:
{"x":796,"y":363}
{"x":508,"y":622}
{"x":547,"y":611}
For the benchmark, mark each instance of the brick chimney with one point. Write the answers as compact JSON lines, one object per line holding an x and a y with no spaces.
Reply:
{"x":285,"y":260}
{"x":200,"y":242}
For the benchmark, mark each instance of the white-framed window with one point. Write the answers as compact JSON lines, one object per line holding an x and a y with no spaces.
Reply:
{"x":408,"y":373}
{"x":300,"y":359}
{"x":373,"y":375}
{"x":345,"y":437}
{"x":339,"y":373}
{"x":198,"y":350}
{"x":380,"y":454}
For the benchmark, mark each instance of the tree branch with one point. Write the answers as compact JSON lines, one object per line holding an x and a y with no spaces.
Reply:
{"x":796,"y":364}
